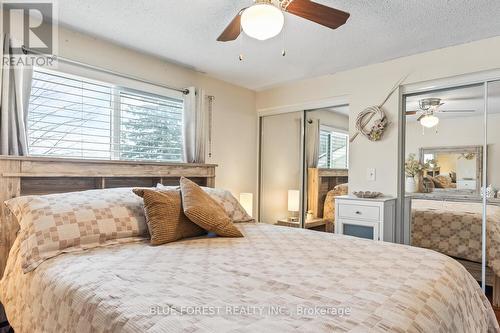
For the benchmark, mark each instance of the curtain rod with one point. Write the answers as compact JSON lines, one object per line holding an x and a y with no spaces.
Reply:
{"x":101,"y":69}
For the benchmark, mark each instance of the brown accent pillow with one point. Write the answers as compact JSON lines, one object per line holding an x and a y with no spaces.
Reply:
{"x":200,"y":208}
{"x":165,"y":217}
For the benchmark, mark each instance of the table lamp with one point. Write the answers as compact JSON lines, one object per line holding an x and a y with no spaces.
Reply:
{"x":293,"y":205}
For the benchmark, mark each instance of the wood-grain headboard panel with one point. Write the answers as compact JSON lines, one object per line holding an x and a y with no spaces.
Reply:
{"x":38,"y":175}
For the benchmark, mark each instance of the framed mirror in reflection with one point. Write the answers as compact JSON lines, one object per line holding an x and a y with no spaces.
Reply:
{"x":452,"y":170}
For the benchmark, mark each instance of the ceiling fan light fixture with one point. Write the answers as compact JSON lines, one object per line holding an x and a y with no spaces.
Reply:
{"x":262,"y":21}
{"x":429,"y":121}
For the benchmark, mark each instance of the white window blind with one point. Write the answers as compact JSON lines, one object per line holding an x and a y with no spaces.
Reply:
{"x":333,"y":149}
{"x":75,"y":117}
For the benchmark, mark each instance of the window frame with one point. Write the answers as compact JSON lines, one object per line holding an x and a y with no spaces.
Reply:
{"x":116,"y":92}
{"x":330,"y":130}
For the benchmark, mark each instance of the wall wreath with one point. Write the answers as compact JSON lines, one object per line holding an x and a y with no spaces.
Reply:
{"x":374,"y":130}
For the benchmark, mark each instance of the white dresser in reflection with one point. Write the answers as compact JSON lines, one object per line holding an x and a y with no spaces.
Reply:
{"x":366,"y":218}
{"x":466,"y":184}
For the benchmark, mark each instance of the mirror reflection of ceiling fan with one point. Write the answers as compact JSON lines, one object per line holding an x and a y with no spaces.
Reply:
{"x":429,"y":108}
{"x":265,"y":18}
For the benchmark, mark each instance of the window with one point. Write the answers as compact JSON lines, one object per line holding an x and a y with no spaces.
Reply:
{"x":333,"y":149}
{"x":69,"y":116}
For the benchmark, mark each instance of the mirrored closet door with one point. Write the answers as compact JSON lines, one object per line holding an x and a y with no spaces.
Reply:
{"x":445,"y":163}
{"x":304,"y":161}
{"x":491,"y":194}
{"x":326,"y":164}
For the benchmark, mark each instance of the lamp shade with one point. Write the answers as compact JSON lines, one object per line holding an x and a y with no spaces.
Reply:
{"x":429,"y":121}
{"x":262,"y":21}
{"x":246,"y":201}
{"x":293,"y":200}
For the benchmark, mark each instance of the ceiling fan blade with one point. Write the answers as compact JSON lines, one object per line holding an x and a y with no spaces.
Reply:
{"x":421,"y":116}
{"x":233,"y":30}
{"x":456,"y":111}
{"x":464,"y":98}
{"x":411,"y":113}
{"x":321,"y":14}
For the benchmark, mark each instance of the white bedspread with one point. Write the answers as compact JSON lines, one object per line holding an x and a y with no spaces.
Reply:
{"x":276,"y":279}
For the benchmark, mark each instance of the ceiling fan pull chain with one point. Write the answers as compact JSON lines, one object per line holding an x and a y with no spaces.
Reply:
{"x":241,"y":47}
{"x":211,"y":100}
{"x":283,"y":51}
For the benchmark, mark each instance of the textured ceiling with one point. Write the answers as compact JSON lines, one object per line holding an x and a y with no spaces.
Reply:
{"x":185,"y":32}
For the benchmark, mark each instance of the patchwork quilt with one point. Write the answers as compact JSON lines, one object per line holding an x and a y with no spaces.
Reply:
{"x":275,"y":279}
{"x":454,"y":228}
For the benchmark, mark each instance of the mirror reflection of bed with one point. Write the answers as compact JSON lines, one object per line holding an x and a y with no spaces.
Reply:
{"x":445,"y":135}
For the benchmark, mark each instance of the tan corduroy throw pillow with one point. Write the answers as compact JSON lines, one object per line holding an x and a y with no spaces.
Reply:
{"x":166,"y":219}
{"x":200,"y":208}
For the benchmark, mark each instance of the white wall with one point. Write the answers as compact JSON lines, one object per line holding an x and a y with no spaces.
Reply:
{"x":234,"y":118}
{"x":368,"y":86}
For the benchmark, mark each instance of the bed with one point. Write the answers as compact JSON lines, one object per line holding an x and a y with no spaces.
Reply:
{"x":454,"y":228}
{"x":274,"y":279}
{"x":270,"y":280}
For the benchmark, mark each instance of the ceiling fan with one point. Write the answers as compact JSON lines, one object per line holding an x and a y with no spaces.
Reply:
{"x":429,"y":107}
{"x":264,"y":19}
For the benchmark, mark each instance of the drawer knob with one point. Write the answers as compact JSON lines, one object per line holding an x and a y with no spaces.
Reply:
{"x":358,"y":212}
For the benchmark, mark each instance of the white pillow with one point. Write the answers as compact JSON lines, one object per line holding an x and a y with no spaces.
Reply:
{"x":57,"y":223}
{"x":230,"y":204}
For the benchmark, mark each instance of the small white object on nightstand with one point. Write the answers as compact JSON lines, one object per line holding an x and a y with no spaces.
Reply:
{"x":366,"y":218}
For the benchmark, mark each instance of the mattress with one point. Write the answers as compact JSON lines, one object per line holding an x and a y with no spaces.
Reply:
{"x":454,"y":228}
{"x":275,"y":279}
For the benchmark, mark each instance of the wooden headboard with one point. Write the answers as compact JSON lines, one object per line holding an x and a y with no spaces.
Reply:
{"x":38,"y":175}
{"x":319,"y":182}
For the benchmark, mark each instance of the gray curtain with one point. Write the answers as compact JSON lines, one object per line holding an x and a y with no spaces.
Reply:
{"x":312,"y":143}
{"x":195,"y":119}
{"x":14,"y":99}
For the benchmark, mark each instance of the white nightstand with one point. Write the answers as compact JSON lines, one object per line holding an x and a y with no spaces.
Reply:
{"x":466,"y":184}
{"x":366,"y":218}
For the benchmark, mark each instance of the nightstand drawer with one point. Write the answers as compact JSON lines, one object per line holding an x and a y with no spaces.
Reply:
{"x":359,"y":212}
{"x":466,"y":184}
